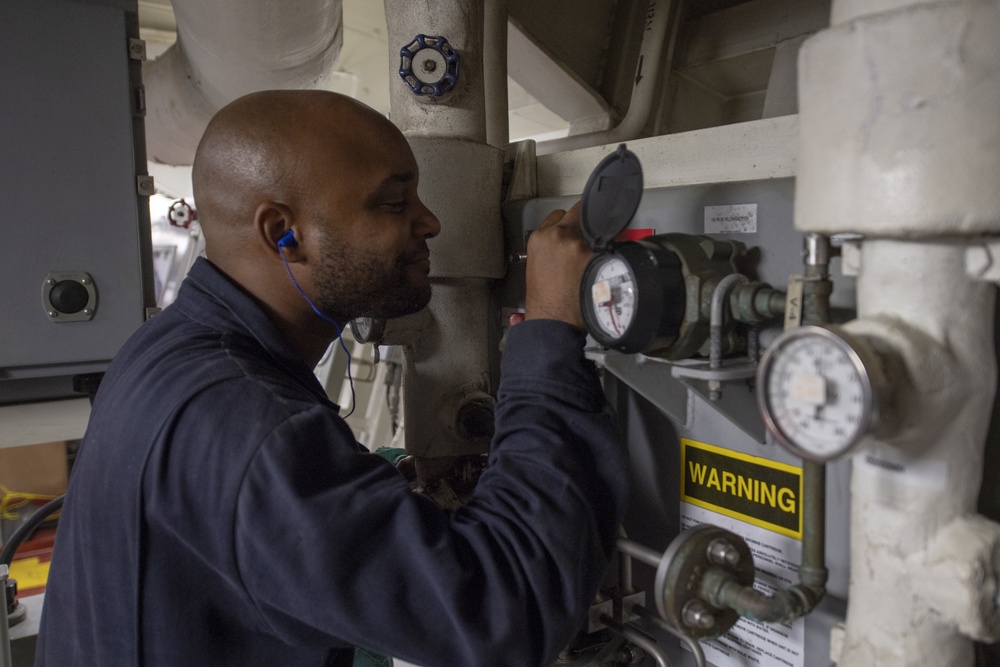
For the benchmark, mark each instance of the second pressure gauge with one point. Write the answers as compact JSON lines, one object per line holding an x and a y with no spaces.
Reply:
{"x":818,"y":391}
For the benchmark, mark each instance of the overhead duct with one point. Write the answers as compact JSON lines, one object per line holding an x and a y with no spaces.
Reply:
{"x":230,"y":48}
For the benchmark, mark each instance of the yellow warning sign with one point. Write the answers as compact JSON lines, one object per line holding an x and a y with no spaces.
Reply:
{"x":759,"y":491}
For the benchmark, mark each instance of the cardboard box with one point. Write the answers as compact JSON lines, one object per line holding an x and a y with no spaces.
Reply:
{"x":35,"y":468}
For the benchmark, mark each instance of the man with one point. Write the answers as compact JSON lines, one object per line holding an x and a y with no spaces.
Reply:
{"x":221,"y":512}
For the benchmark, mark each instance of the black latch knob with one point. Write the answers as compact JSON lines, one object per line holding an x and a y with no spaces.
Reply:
{"x":69,"y":296}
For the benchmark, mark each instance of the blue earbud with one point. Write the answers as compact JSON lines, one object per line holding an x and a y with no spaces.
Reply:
{"x":287,"y":240}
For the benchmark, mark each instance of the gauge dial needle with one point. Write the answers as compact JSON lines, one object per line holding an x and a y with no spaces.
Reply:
{"x":611,"y":311}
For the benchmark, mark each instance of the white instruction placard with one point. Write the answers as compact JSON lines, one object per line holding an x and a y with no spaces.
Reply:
{"x":776,"y":558}
{"x":731,"y":219}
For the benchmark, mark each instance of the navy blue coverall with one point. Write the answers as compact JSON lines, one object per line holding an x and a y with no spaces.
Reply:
{"x":220,"y":511}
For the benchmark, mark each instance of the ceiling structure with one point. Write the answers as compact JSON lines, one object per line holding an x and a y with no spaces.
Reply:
{"x":724,"y":62}
{"x":363,"y":66}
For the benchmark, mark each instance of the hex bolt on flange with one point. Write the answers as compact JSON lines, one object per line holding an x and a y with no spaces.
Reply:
{"x":696,"y":614}
{"x":721,"y":552}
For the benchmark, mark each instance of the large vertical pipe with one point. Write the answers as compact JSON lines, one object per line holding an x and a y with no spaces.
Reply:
{"x":451,"y":370}
{"x":940,"y":323}
{"x":900,"y":141}
{"x":460,"y":114}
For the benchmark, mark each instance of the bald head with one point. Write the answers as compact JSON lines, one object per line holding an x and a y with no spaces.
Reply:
{"x":342,"y":181}
{"x":265,"y":147}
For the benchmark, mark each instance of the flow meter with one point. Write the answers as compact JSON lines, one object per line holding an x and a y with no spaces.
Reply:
{"x":819,"y":391}
{"x":625,"y":288}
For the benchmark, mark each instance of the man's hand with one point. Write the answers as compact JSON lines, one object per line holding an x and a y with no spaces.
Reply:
{"x":557,"y":257}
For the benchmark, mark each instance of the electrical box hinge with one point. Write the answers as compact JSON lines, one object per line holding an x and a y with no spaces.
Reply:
{"x":145,"y":186}
{"x":136,"y":49}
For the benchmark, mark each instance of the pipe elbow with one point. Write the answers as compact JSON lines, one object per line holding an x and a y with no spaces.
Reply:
{"x":219,"y":57}
{"x":784,"y":606}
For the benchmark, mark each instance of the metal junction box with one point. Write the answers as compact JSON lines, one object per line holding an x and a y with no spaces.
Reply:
{"x":76,"y":273}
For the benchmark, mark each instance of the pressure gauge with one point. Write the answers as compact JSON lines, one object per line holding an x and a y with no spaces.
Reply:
{"x":622,"y":295}
{"x":612,"y":292}
{"x":632,"y":297}
{"x":818,"y":391}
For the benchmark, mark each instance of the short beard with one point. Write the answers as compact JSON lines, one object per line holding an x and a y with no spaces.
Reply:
{"x":353,"y":282}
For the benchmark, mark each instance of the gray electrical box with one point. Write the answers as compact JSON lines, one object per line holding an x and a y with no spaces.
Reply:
{"x":76,"y":274}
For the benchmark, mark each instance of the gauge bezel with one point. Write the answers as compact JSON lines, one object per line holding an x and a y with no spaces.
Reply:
{"x":862,"y":360}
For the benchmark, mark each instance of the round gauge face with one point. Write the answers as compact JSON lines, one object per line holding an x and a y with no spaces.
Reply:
{"x":612,"y":298}
{"x":816,"y":394}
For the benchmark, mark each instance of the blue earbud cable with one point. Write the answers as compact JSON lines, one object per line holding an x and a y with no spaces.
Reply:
{"x":350,"y":378}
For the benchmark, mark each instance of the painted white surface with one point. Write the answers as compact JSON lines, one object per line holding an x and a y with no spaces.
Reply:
{"x":36,"y":423}
{"x":750,"y":151}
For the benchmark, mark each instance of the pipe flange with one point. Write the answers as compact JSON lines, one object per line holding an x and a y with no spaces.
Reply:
{"x":429,"y":65}
{"x":678,"y":583}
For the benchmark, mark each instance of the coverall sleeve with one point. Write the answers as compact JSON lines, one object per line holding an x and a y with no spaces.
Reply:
{"x":334,"y":547}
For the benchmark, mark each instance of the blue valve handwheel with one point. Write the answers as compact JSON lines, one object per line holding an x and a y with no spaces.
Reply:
{"x":429,"y":65}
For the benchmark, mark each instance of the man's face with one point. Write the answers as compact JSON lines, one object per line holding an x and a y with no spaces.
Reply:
{"x":354,"y":280}
{"x":373,"y":232}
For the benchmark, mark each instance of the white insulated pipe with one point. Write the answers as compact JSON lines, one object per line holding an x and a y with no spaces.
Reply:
{"x":451,"y":369}
{"x":226,"y":49}
{"x":898,"y":123}
{"x":923,"y":566}
{"x":461,"y":113}
{"x":900,"y":141}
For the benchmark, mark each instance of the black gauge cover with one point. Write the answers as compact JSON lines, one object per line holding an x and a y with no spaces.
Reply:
{"x":611,"y":197}
{"x":660,"y":297}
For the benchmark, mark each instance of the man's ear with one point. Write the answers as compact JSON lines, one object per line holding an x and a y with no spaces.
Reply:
{"x":274,"y":227}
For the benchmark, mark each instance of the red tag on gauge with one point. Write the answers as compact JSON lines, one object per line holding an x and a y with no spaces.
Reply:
{"x":634,"y":234}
